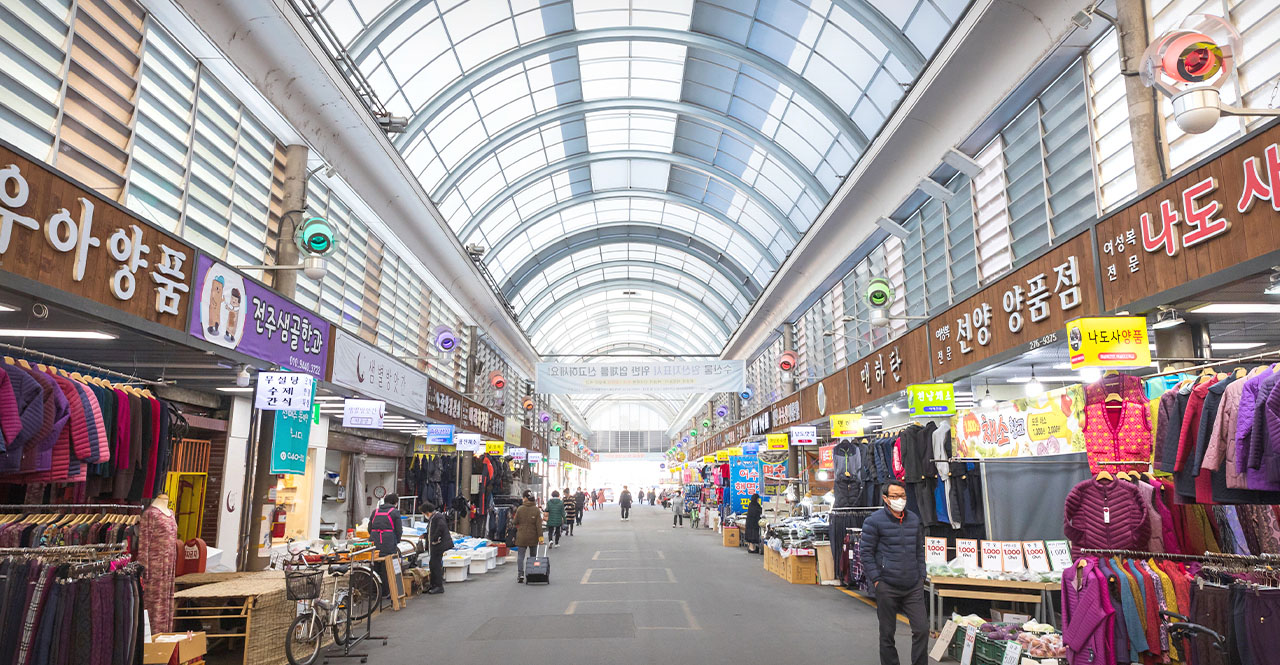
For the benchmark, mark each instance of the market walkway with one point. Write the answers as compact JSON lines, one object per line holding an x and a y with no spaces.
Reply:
{"x":634,"y":592}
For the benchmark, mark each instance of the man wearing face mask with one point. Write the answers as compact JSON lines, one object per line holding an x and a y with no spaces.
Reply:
{"x":893,"y":560}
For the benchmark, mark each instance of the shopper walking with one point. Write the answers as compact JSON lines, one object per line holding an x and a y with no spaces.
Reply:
{"x":555,"y":518}
{"x":624,"y":501}
{"x":385,"y":529}
{"x":677,"y":505}
{"x":570,"y":511}
{"x":752,"y":535}
{"x":893,"y":561}
{"x":528,"y":524}
{"x":438,"y":542}
{"x":652,"y":496}
{"x":580,"y":503}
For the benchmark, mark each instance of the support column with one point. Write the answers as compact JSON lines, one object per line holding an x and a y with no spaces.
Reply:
{"x":1184,"y":341}
{"x":1144,"y":120}
{"x":789,"y":344}
{"x":259,"y":482}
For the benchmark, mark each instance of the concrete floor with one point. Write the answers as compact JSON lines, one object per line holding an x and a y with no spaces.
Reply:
{"x":634,"y":592}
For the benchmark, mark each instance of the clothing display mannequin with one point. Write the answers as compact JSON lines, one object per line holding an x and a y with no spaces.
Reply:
{"x":157,"y":552}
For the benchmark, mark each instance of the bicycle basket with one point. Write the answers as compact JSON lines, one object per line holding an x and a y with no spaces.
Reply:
{"x":303,"y":584}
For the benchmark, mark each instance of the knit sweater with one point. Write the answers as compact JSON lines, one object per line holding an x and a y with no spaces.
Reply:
{"x":1105,"y":515}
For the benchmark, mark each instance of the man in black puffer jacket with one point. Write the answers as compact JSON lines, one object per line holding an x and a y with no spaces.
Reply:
{"x":893,"y":560}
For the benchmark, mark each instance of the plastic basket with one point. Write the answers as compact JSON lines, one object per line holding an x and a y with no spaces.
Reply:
{"x":303,"y":584}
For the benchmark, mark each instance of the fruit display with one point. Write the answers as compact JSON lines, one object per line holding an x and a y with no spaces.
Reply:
{"x":1042,"y":646}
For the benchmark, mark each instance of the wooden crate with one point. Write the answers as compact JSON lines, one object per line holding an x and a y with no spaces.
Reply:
{"x":730,"y":538}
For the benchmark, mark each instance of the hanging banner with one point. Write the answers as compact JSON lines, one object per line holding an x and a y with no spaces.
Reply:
{"x":441,"y":435}
{"x":495,"y":447}
{"x":284,"y":391}
{"x":1109,"y":341}
{"x":289,"y":442}
{"x":779,"y":441}
{"x":773,"y":468}
{"x":722,"y":455}
{"x":932,"y":399}
{"x":363,"y":413}
{"x":1047,"y":425}
{"x":845,"y":425}
{"x":744,"y":480}
{"x":374,"y":373}
{"x":827,"y":458}
{"x":708,"y":459}
{"x":235,"y":312}
{"x":717,"y":376}
{"x":535,"y":457}
{"x":804,"y":436}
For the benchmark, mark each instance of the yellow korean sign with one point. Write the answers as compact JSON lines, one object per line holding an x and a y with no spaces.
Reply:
{"x":735,"y":451}
{"x":845,"y":425}
{"x":778,"y":442}
{"x":707,"y":459}
{"x":722,"y":455}
{"x":495,"y":447}
{"x":1109,"y":341}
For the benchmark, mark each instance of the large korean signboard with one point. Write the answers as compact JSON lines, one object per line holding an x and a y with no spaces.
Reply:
{"x":235,"y":312}
{"x":58,"y":233}
{"x":1027,"y":308}
{"x":891,"y":368}
{"x":446,"y":406}
{"x":718,"y":376}
{"x":1214,"y":217}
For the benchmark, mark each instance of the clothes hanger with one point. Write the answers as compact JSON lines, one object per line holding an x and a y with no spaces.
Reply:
{"x":1104,"y":475}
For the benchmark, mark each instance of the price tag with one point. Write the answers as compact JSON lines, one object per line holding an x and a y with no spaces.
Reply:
{"x":1012,"y":653}
{"x":1011,"y":551}
{"x":967,"y":553}
{"x":1059,"y":554}
{"x":970,"y":639}
{"x":1037,"y":556}
{"x":935,"y":550}
{"x":992,"y":556}
{"x":944,"y":641}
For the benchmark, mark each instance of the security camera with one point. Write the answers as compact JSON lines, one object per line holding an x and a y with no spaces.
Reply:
{"x":497,"y":380}
{"x":243,"y":377}
{"x":445,"y":339}
{"x":879,"y":293}
{"x":747,"y":393}
{"x":879,"y":318}
{"x":316,"y":237}
{"x":787,"y":362}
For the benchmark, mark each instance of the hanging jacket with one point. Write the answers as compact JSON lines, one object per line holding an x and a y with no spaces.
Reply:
{"x":1105,"y":515}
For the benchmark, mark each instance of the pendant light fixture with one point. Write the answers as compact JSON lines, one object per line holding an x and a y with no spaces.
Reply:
{"x":1034,"y":387}
{"x":988,"y":402}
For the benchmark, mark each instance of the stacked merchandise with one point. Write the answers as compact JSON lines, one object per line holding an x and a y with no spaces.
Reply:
{"x":433,"y":477}
{"x":1112,"y":603}
{"x":93,"y":438}
{"x":70,"y":605}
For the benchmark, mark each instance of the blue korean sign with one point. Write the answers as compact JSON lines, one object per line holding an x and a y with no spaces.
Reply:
{"x":751,"y":448}
{"x":439,"y":435}
{"x":289,"y":442}
{"x":744,"y":480}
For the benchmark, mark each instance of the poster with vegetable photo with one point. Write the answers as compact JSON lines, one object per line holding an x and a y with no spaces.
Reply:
{"x":1050,"y":424}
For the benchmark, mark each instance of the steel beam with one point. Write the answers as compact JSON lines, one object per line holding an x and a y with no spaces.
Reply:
{"x":632,"y":233}
{"x":609,"y":194}
{"x":603,"y":287}
{"x":708,"y":290}
{"x":587,"y":159}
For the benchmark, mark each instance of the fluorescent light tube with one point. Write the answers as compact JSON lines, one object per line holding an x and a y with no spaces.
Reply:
{"x":55,"y":334}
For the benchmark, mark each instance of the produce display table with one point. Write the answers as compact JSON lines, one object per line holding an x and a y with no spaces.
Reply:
{"x":1037,"y":594}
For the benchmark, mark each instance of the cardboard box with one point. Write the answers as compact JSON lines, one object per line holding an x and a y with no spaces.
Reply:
{"x":826,"y":566}
{"x":731,"y":538}
{"x":801,"y":570}
{"x":1006,"y":616}
{"x":174,"y":648}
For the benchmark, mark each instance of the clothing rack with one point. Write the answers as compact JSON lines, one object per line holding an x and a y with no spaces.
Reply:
{"x":54,"y":507}
{"x":1207,"y":557}
{"x":66,"y":549}
{"x":1008,"y":460}
{"x":128,"y":378}
{"x":1274,"y":354}
{"x":1125,"y":463}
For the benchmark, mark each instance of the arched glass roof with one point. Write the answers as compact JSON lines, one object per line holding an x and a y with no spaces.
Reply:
{"x":638,"y":169}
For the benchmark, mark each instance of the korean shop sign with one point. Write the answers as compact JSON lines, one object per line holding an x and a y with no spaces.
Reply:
{"x":236,"y":312}
{"x":284,"y":391}
{"x":1216,"y":216}
{"x":289,"y":440}
{"x":373,"y":372}
{"x":844,"y":425}
{"x":495,"y":447}
{"x":804,"y":436}
{"x":56,"y":232}
{"x":891,"y":368}
{"x":467,"y":443}
{"x":363,"y":413}
{"x":446,"y":406}
{"x":1109,"y":341}
{"x":761,"y":423}
{"x":780,"y":441}
{"x":1027,"y":309}
{"x":827,"y":457}
{"x":932,"y":399}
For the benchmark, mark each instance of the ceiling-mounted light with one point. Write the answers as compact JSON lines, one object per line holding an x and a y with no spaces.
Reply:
{"x":243,"y":377}
{"x":1238,"y":308}
{"x":1090,"y":374}
{"x":935,"y":189}
{"x":1167,"y":318}
{"x":1034,"y":387}
{"x":55,"y":334}
{"x":1273,"y":283}
{"x":988,"y":402}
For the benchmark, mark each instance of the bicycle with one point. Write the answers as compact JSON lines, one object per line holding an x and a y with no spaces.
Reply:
{"x":365,"y":584}
{"x":351,"y":602}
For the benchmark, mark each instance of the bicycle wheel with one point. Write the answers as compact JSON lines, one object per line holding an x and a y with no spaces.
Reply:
{"x":342,"y":625}
{"x":302,"y":642}
{"x":366,"y":590}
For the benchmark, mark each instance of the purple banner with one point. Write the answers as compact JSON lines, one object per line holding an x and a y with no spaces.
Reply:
{"x":235,"y":312}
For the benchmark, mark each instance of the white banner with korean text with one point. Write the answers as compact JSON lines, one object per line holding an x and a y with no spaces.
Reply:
{"x":717,"y":376}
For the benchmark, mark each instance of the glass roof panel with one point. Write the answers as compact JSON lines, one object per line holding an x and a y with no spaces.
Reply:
{"x":729,"y":122}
